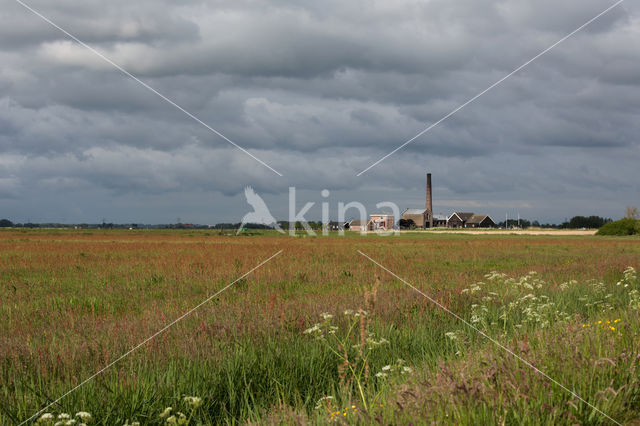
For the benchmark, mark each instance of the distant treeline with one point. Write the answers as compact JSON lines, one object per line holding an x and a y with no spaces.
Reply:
{"x":575,"y":222}
{"x":586,"y":222}
{"x":5,"y":223}
{"x":283,"y":225}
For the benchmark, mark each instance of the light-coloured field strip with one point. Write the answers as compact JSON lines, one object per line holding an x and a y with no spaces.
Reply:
{"x":559,"y":232}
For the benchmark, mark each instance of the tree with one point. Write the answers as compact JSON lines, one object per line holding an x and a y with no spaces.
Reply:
{"x":5,"y":223}
{"x":406,"y":224}
{"x":626,"y":226}
{"x":524,"y":223}
{"x":586,"y":222}
{"x":632,"y":213}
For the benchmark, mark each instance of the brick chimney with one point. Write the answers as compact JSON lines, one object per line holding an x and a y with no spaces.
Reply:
{"x":429,"y":205}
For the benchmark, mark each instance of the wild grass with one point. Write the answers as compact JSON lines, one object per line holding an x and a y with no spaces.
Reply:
{"x":71,"y":302}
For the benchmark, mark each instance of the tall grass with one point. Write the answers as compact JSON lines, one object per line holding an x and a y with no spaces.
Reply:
{"x":73,"y":302}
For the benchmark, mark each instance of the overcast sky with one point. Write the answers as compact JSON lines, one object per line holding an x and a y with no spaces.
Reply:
{"x":318,"y":90}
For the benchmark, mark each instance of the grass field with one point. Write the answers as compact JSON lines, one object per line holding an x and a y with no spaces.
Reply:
{"x":278,"y":348}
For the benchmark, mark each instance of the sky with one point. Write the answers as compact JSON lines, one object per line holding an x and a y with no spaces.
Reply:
{"x":318,"y":91}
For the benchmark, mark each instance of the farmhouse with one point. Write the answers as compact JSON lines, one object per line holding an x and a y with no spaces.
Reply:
{"x":358,"y":225}
{"x":458,"y":219}
{"x":469,"y":220}
{"x":376,"y":222}
{"x":381,"y":222}
{"x":480,"y":221}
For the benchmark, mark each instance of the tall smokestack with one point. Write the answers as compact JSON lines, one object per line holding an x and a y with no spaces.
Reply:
{"x":429,"y":201}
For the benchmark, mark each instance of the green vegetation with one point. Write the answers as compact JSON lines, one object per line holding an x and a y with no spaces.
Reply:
{"x":320,"y":334}
{"x":586,"y":222}
{"x":626,"y":226}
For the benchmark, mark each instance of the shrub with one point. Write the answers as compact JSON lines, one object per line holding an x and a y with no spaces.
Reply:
{"x":626,"y":226}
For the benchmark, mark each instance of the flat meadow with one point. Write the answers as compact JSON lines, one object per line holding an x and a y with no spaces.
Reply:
{"x":546,"y":333}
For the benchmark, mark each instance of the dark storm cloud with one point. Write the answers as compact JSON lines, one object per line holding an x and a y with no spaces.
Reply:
{"x":319,"y":91}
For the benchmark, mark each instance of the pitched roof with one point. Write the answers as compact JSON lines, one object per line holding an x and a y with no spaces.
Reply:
{"x":439,"y":217}
{"x":477,"y":218}
{"x":452,"y":215}
{"x":358,"y":222}
{"x":465,"y":215}
{"x":414,"y":211}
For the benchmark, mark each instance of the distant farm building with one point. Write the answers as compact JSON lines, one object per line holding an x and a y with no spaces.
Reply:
{"x":420,"y":217}
{"x":376,"y":222}
{"x":480,"y":221}
{"x":337,"y":226}
{"x":381,"y":222}
{"x":458,"y":219}
{"x":358,"y":225}
{"x":469,"y":220}
{"x":424,"y":218}
{"x":439,"y":221}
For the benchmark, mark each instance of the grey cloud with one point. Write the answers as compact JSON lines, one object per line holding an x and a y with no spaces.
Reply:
{"x":319,"y":91}
{"x":94,"y":22}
